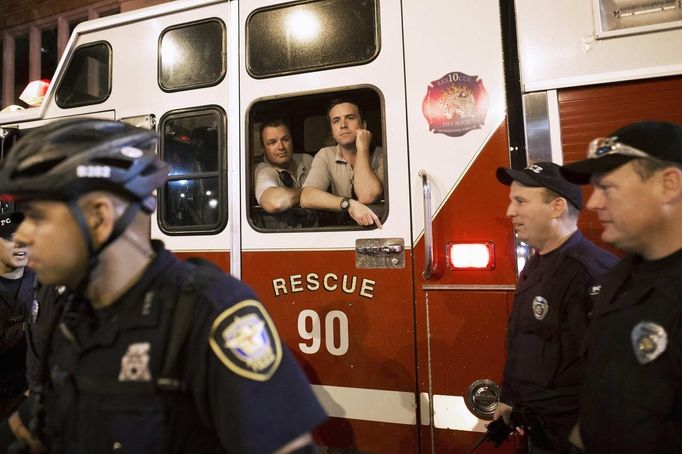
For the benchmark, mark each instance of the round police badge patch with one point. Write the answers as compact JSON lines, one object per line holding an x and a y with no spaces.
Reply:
{"x":649,"y":340}
{"x":540,"y":307}
{"x":245,"y":340}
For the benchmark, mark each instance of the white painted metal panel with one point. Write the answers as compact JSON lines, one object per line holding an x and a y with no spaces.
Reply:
{"x":558,"y":48}
{"x":385,"y":73}
{"x":463,"y":36}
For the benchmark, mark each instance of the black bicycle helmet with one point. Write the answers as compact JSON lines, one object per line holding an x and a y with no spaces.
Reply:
{"x":69,"y":158}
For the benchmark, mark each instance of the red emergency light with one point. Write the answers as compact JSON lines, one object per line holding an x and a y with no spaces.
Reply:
{"x":470,"y":255}
{"x":35,"y":91}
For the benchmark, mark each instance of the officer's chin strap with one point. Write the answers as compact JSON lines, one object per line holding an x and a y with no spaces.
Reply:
{"x":120,"y":226}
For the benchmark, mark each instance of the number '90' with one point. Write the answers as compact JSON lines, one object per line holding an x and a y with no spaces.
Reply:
{"x":335,"y":332}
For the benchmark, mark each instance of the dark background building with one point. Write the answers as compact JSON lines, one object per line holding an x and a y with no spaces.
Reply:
{"x":34,"y":34}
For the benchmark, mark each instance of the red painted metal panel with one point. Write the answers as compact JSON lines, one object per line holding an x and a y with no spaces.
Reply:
{"x":367,"y":437}
{"x":381,"y":331}
{"x":476,"y":211}
{"x":465,"y":337}
{"x":596,"y":111}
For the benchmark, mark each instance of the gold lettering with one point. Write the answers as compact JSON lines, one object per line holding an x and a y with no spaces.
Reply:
{"x":326,"y":281}
{"x":313,"y":282}
{"x":345,"y":287}
{"x":367,"y":288}
{"x":295,"y":281}
{"x":279,"y":284}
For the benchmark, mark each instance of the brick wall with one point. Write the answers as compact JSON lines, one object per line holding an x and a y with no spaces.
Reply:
{"x":18,"y":12}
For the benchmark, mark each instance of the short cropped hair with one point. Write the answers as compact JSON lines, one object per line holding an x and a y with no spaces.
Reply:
{"x":271,"y":123}
{"x":341,"y":100}
{"x":646,"y":168}
{"x":573,"y":211}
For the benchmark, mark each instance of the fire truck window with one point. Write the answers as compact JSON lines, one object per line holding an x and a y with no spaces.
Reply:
{"x":194,"y":199}
{"x":310,"y":132}
{"x":310,"y":36}
{"x":192,"y":56}
{"x":88,"y":77}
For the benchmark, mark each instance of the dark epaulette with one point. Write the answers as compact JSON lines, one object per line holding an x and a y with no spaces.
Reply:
{"x":597,"y":261}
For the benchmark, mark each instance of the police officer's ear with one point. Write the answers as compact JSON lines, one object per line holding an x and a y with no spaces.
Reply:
{"x":100,"y":215}
{"x":671,"y":185}
{"x":559,"y":207}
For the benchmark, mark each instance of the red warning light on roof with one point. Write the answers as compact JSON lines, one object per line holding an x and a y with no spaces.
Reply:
{"x":470,"y":255}
{"x":34,"y":92}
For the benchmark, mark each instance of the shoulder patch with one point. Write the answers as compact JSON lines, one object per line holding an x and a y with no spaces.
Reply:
{"x":245,"y":340}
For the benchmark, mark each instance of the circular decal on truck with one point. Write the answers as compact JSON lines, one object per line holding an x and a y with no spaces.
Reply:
{"x":455,"y":104}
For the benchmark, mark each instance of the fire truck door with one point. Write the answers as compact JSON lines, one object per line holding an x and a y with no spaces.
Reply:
{"x":340,"y":294}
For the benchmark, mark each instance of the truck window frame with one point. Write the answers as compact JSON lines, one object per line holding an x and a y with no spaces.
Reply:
{"x":270,"y":42}
{"x":169,"y":88}
{"x":59,"y":95}
{"x":310,"y":106}
{"x":220,"y":173}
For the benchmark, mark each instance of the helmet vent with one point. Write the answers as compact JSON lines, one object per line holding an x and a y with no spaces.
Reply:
{"x":37,"y":169}
{"x":116,"y":163}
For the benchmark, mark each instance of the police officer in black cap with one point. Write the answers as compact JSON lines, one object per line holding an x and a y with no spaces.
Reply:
{"x":631,"y":400}
{"x":549,"y":316}
{"x":16,"y":295}
{"x":151,"y":354}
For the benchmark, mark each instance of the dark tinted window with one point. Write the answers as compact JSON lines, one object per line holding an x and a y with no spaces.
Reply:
{"x":194,"y":199}
{"x":192,"y":56}
{"x":88,"y":77}
{"x":313,"y":35}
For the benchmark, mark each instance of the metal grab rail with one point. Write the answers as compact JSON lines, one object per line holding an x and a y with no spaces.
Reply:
{"x":428,"y":226}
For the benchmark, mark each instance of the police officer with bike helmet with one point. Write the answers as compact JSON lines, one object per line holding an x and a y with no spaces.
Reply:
{"x":151,"y":354}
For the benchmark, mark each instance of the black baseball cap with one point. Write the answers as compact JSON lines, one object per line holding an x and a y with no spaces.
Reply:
{"x":9,"y":223}
{"x":543,"y":175}
{"x":642,"y":140}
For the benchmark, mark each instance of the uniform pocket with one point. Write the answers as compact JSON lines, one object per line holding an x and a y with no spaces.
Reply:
{"x":538,"y":358}
{"x":132,"y":427}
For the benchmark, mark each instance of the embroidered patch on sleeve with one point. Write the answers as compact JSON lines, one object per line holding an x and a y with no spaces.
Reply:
{"x":245,"y":340}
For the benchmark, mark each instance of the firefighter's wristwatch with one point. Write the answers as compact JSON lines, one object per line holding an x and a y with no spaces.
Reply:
{"x":345,"y":204}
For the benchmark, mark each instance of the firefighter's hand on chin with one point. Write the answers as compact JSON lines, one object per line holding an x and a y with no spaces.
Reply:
{"x":362,"y":214}
{"x":504,"y":411}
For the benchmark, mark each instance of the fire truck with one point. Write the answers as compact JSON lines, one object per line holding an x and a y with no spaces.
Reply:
{"x":400,"y":329}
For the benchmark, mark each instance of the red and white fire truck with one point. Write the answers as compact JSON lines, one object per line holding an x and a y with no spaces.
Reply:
{"x":401,"y":330}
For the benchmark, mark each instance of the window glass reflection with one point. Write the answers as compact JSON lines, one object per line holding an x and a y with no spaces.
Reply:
{"x":194,"y":199}
{"x":192,"y":56}
{"x":88,"y":77}
{"x":312,"y":35}
{"x":192,"y":202}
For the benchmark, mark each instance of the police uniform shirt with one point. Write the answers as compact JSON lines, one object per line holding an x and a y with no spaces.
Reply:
{"x":547,"y":324}
{"x":13,"y":308}
{"x":632,"y":396}
{"x":244,"y":390}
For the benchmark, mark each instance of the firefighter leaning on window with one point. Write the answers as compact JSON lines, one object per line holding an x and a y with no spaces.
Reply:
{"x":549,"y":316}
{"x":151,"y":354}
{"x":16,"y":294}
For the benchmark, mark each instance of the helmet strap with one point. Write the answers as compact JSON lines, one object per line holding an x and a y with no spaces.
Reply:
{"x":120,"y":226}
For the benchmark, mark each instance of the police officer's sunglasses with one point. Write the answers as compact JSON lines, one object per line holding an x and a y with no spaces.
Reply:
{"x":604,"y":146}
